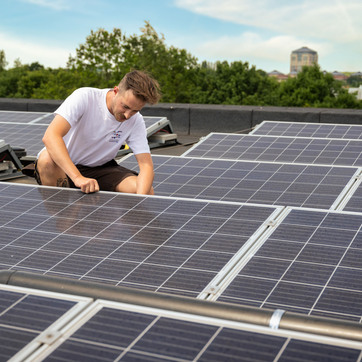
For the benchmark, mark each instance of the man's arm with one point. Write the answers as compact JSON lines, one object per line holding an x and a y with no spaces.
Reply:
{"x":146,"y":174}
{"x":54,"y":143}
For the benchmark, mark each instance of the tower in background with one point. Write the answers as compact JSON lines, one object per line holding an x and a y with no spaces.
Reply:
{"x":302,"y":57}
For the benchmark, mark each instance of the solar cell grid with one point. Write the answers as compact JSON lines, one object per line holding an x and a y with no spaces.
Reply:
{"x":301,"y":129}
{"x":279,"y":149}
{"x":161,"y":244}
{"x":119,"y":334}
{"x":245,"y":181}
{"x":309,"y":264}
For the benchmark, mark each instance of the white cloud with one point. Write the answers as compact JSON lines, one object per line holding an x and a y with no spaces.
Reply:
{"x":52,"y":4}
{"x":250,"y":44}
{"x":335,"y":20}
{"x":331,"y":27}
{"x":256,"y":50}
{"x":28,"y":52}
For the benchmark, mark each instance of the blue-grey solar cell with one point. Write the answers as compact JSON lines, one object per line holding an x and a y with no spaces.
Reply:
{"x":314,"y":151}
{"x":252,"y":182}
{"x":316,"y":130}
{"x":311,"y":264}
{"x":161,"y":244}
{"x":23,"y":317}
{"x":130,"y":336}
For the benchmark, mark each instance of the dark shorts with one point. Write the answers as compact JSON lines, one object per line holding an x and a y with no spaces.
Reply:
{"x":108,"y":175}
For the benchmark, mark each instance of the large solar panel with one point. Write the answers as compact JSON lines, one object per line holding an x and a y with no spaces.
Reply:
{"x":154,"y":243}
{"x":311,"y":263}
{"x":317,"y":151}
{"x":26,"y":316}
{"x":302,"y":129}
{"x":121,"y":332}
{"x":245,"y":181}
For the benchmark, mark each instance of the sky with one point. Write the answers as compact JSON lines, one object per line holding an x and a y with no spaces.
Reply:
{"x":260,"y":32}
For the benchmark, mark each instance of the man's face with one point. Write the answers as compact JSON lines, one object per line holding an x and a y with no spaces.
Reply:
{"x":125,"y":105}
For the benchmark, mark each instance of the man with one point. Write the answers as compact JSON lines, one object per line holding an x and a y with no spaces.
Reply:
{"x":87,"y":132}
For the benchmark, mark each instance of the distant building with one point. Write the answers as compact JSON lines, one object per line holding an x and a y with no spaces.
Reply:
{"x":302,"y":57}
{"x":278,"y":75}
{"x":339,"y":76}
{"x":357,"y":74}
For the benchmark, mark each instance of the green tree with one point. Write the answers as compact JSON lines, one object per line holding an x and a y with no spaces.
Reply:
{"x":233,"y":83}
{"x":314,"y":88}
{"x":3,"y":62}
{"x":111,"y":55}
{"x":354,"y":81}
{"x":100,"y":54}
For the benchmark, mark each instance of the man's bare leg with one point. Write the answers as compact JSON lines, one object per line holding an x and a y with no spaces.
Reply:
{"x":129,"y":185}
{"x":51,"y":174}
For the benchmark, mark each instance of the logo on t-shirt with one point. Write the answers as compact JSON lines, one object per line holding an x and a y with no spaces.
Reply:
{"x":115,"y":137}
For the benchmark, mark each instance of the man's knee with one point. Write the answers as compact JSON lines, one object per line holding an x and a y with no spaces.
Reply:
{"x":127,"y":185}
{"x":45,"y":162}
{"x":49,"y":173}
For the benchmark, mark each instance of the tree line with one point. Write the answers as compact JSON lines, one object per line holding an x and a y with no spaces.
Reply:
{"x":106,"y":56}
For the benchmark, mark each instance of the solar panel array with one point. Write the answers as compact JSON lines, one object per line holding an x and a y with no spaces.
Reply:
{"x":301,"y":129}
{"x":316,"y":151}
{"x":39,"y":327}
{"x":255,"y":182}
{"x":117,"y":333}
{"x":159,"y":244}
{"x":264,"y":234}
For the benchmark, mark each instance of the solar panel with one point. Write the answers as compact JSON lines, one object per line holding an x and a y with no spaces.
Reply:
{"x":154,"y":243}
{"x":317,"y":151}
{"x":311,"y":263}
{"x":245,"y":181}
{"x":122,"y":332}
{"x":26,"y":316}
{"x":302,"y":129}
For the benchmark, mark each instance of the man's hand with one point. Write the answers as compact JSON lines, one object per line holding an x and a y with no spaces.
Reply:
{"x":87,"y":185}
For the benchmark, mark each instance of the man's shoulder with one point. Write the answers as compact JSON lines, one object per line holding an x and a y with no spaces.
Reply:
{"x":90,"y":90}
{"x":87,"y":94}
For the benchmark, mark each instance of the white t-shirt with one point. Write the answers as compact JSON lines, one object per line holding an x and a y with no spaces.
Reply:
{"x":95,"y":135}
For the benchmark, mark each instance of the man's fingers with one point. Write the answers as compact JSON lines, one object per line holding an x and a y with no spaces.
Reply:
{"x":90,"y":186}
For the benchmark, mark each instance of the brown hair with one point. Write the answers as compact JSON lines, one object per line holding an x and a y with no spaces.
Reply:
{"x":142,"y":85}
